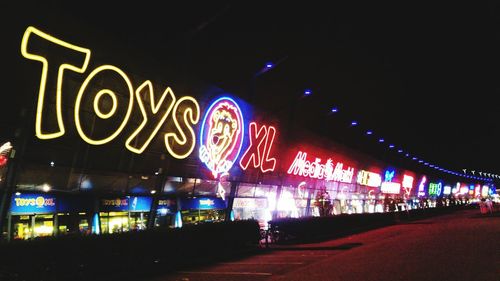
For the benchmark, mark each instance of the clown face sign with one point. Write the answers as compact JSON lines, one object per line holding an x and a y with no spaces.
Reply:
{"x":221,"y":135}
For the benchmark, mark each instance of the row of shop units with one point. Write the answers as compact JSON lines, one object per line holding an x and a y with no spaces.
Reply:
{"x":42,"y":214}
{"x":33,"y":215}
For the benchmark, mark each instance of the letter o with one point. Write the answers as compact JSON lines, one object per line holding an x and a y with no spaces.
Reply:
{"x":99,"y":114}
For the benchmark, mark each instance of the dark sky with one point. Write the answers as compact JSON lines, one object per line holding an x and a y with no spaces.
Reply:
{"x":422,"y":76}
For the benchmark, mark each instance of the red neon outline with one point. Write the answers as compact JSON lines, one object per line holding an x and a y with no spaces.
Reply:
{"x":255,"y":153}
{"x":267,"y":149}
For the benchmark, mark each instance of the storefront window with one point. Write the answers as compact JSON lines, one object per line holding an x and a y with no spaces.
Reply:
{"x":248,"y":190}
{"x":205,"y":187}
{"x":138,"y":220}
{"x":200,"y":216}
{"x":179,"y":185}
{"x":114,"y":222}
{"x":21,"y":227}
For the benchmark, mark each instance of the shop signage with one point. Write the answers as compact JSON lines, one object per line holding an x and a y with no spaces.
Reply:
{"x":250,"y":203}
{"x":108,"y":93}
{"x":421,"y":186}
{"x":390,"y":187}
{"x":407,"y":184}
{"x":114,"y":204}
{"x":464,"y":189}
{"x":447,"y":190}
{"x":369,"y":178}
{"x":32,"y":203}
{"x":485,"y":191}
{"x":166,"y":206}
{"x":261,"y":142}
{"x":221,"y":135}
{"x":132,"y":204}
{"x":202,"y":203}
{"x":435,"y":189}
{"x":471,"y":190}
{"x":477,"y":190}
{"x":315,"y":169}
{"x":389,"y":175}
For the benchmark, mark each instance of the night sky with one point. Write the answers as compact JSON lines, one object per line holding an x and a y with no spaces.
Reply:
{"x":422,"y":76}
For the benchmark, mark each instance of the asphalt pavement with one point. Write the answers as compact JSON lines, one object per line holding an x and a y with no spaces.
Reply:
{"x":464,"y":245}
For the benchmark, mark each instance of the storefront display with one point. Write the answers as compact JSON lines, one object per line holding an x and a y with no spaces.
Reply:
{"x":124,"y":214}
{"x":32,"y":215}
{"x":203,"y":209}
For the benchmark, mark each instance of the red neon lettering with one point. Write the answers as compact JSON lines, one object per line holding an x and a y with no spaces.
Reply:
{"x":303,"y":167}
{"x":261,"y":142}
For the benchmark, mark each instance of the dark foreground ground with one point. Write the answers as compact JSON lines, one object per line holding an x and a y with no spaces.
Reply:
{"x":460,"y":246}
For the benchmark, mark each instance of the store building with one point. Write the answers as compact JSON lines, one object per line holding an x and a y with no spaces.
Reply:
{"x":105,"y":150}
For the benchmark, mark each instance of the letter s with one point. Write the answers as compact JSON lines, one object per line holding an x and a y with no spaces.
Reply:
{"x":181,"y":146}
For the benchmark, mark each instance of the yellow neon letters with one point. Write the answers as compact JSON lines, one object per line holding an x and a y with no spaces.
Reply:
{"x":167,"y":101}
{"x":97,"y":98}
{"x":109,"y":92}
{"x":192,"y":109}
{"x":38,"y":36}
{"x":180,"y":139}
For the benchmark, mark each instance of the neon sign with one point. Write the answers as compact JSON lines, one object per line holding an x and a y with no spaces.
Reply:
{"x":206,"y":202}
{"x":261,"y":142}
{"x":464,"y":189}
{"x":447,"y":190}
{"x":316,"y":169}
{"x":39,"y":202}
{"x":421,"y":186}
{"x":390,"y":187}
{"x":221,"y":135}
{"x":179,"y":141}
{"x":407,"y":184}
{"x":435,"y":189}
{"x":32,"y":203}
{"x":389,"y":175}
{"x":477,"y":190}
{"x":369,"y":178}
{"x":471,"y":190}
{"x":485,"y":191}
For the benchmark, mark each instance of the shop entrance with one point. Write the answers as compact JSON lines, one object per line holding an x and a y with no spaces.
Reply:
{"x":116,"y":222}
{"x":199,"y":216}
{"x":32,"y":226}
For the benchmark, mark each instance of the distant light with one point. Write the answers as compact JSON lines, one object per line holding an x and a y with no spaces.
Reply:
{"x":400,"y":151}
{"x":18,"y":193}
{"x":52,"y":163}
{"x":369,"y":132}
{"x":431,"y":165}
{"x":157,"y":173}
{"x":426,"y":163}
{"x":334,"y":110}
{"x":420,"y":161}
{"x":414,"y":158}
{"x":46,"y":187}
{"x":153,"y":191}
{"x":391,"y":145}
{"x":354,"y":123}
{"x":407,"y":154}
{"x":380,"y":140}
{"x":269,"y":65}
{"x":307,"y":92}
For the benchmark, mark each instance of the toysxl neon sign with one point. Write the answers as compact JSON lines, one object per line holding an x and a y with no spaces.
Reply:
{"x":98,"y":93}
